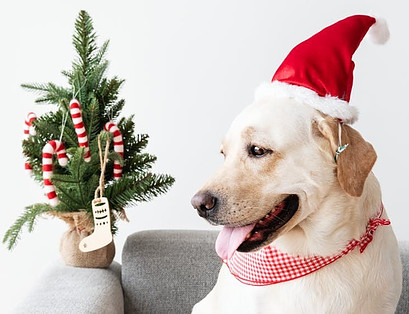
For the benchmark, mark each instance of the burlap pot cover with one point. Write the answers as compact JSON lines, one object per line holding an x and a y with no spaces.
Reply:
{"x":72,"y":256}
{"x":80,"y":227}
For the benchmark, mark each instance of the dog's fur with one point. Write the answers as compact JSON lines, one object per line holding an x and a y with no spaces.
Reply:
{"x":336,"y":202}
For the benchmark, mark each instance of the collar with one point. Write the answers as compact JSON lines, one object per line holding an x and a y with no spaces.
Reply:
{"x":270,"y":266}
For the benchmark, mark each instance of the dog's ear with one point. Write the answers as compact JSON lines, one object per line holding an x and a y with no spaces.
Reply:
{"x":355,"y":162}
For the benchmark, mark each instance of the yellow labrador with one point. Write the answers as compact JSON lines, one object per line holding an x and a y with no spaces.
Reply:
{"x":279,"y":153}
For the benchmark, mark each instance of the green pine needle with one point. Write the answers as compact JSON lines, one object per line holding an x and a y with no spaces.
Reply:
{"x":28,"y":218}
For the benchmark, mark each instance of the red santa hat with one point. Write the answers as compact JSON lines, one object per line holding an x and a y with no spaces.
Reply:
{"x":319,"y":71}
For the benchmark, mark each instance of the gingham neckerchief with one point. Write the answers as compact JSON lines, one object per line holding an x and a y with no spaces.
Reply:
{"x":270,"y":266}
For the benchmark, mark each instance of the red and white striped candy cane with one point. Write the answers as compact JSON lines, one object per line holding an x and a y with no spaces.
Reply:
{"x":29,"y":127}
{"x":51,"y":148}
{"x":118,"y":147}
{"x":28,"y":167}
{"x":29,"y":130}
{"x":76,"y":115}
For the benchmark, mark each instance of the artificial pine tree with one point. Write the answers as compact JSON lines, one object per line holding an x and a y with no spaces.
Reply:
{"x":76,"y":183}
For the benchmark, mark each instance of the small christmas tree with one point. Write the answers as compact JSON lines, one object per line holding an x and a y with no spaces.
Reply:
{"x":99,"y":104}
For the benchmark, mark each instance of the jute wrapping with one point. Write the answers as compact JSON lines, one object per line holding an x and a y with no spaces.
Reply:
{"x":80,"y":226}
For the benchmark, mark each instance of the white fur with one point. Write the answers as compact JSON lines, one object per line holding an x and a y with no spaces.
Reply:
{"x":328,"y":219}
{"x":332,"y":106}
{"x":379,"y":32}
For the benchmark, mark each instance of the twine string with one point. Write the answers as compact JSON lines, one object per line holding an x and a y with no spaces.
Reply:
{"x":75,"y":93}
{"x":64,"y":121}
{"x":103,"y":160}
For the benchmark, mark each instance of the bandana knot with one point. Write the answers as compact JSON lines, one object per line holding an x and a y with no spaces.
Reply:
{"x":370,"y":229}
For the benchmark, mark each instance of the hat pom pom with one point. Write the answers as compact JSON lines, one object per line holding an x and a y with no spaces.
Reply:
{"x":379,"y":32}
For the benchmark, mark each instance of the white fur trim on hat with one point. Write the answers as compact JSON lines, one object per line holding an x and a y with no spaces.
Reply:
{"x":332,"y":106}
{"x":379,"y":32}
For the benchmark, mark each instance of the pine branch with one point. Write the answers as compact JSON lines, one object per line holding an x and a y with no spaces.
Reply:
{"x":50,"y":93}
{"x":36,"y":87}
{"x":84,"y":42}
{"x":116,"y":108}
{"x":92,"y":185}
{"x":27,"y":218}
{"x":70,"y":137}
{"x":77,"y":168}
{"x":80,"y":88}
{"x":131,"y":145}
{"x":95,"y":77}
{"x":139,"y":162}
{"x":130,"y":190}
{"x":141,"y":142}
{"x":101,"y":53}
{"x":107,"y":94}
{"x":93,"y":119}
{"x":68,"y":74}
{"x":68,"y":197}
{"x":121,"y":192}
{"x":110,"y":89}
{"x":159,"y":184}
{"x":70,"y":186}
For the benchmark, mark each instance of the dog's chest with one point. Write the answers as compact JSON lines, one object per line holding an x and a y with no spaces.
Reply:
{"x":299,"y":296}
{"x":315,"y":293}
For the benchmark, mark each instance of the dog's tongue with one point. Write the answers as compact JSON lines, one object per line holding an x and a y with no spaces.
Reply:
{"x":230,"y":238}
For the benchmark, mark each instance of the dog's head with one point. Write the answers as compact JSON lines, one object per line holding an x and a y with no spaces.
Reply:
{"x":279,"y":166}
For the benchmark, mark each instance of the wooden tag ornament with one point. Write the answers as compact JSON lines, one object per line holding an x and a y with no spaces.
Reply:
{"x":102,"y":235}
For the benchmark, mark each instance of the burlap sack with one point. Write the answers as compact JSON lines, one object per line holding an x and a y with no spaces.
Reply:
{"x":72,"y":256}
{"x":80,"y":227}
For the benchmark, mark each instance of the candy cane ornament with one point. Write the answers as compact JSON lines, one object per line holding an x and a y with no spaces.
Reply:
{"x":29,"y":130}
{"x":118,"y":147}
{"x":76,"y":115}
{"x":51,"y":148}
{"x":29,"y":127}
{"x":28,"y":167}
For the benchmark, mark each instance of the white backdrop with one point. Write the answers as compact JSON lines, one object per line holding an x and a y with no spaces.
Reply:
{"x":190,"y":67}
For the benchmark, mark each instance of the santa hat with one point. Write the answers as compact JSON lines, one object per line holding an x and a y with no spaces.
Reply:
{"x":319,"y":71}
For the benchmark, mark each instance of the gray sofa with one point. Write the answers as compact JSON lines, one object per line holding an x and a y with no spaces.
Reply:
{"x":162,"y":272}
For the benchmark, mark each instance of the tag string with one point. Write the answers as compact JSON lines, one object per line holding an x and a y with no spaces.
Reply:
{"x":74,"y":94}
{"x":103,"y":160}
{"x":64,"y":121}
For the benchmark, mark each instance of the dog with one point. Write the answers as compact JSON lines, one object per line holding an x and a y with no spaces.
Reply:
{"x":280,"y":185}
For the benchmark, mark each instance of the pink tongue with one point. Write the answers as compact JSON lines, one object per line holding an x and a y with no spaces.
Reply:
{"x":230,"y":238}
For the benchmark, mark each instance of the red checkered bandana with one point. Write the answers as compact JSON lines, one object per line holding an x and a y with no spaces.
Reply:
{"x":270,"y":266}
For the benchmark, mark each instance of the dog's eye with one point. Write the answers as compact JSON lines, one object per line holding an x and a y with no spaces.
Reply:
{"x":257,"y":151}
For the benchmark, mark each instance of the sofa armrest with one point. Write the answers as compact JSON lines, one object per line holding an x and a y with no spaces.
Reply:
{"x":66,"y":289}
{"x":168,"y":271}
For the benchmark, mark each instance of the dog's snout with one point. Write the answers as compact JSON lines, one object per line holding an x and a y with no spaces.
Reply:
{"x":204,"y":202}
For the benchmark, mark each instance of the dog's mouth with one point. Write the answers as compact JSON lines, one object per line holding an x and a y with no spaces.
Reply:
{"x":269,"y":224}
{"x":255,"y":235}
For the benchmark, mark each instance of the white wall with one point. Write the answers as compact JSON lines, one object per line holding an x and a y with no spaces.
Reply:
{"x":190,"y":67}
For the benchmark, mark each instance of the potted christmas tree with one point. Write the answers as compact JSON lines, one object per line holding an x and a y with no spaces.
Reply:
{"x":89,"y":161}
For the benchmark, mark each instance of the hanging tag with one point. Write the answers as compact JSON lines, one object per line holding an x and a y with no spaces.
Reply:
{"x":340,"y":149}
{"x":102,"y":235}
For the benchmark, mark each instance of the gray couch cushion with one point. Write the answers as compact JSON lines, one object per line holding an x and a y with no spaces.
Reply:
{"x":403,"y":306}
{"x":168,"y":271}
{"x":66,"y":290}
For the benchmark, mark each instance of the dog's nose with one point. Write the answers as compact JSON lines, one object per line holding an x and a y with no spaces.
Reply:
{"x":203,"y":202}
